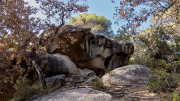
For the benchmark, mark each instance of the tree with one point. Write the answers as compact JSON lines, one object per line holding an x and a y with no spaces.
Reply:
{"x":165,"y":20}
{"x":99,"y":24}
{"x":122,"y":34}
{"x":23,"y":28}
{"x":128,"y":11}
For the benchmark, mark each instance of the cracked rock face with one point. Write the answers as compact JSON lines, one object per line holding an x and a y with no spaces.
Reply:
{"x":94,"y":52}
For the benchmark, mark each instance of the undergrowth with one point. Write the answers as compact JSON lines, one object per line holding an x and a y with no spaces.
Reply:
{"x":161,"y":81}
{"x":171,"y":97}
{"x":97,"y":84}
{"x":25,"y":90}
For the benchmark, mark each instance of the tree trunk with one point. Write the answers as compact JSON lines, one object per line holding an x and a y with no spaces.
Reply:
{"x":40,"y":73}
{"x":38,"y":69}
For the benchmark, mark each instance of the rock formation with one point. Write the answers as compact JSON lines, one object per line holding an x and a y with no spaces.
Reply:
{"x":94,"y":52}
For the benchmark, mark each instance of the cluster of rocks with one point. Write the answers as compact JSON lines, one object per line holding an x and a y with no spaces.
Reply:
{"x":88,"y":57}
{"x":127,"y":83}
{"x":94,"y":52}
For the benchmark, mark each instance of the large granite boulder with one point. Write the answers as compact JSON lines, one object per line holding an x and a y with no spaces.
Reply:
{"x":127,"y":75}
{"x":84,"y":94}
{"x":60,"y":64}
{"x":95,"y":52}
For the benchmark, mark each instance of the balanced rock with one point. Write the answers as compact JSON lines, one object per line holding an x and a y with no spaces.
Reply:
{"x":95,"y":52}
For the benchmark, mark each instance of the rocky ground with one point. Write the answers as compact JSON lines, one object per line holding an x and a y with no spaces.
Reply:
{"x":78,"y":89}
{"x":118,"y":93}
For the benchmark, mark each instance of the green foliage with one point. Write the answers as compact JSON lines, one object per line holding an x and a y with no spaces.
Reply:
{"x":122,"y":34}
{"x":121,"y":37}
{"x":171,"y":97}
{"x":164,"y":75}
{"x":157,"y":47}
{"x":161,"y":81}
{"x":174,"y":97}
{"x":25,"y":90}
{"x":141,"y":60}
{"x":142,"y":57}
{"x":159,"y":42}
{"x":99,"y":24}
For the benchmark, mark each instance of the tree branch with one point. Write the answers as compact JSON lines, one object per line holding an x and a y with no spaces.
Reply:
{"x":62,"y":20}
{"x":168,"y":7}
{"x":60,"y":25}
{"x":56,"y":31}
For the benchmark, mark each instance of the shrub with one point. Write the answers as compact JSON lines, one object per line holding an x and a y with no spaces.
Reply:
{"x":25,"y":90}
{"x":97,"y":84}
{"x":171,"y":97}
{"x":161,"y":81}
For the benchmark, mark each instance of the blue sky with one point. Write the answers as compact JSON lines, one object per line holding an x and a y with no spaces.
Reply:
{"x":100,"y":7}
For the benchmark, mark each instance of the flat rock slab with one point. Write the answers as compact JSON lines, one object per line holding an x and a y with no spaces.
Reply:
{"x":127,"y":75}
{"x":84,"y":94}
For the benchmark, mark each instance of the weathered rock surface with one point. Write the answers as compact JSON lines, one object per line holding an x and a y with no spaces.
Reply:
{"x":127,"y":75}
{"x":84,"y":94}
{"x":87,"y":73}
{"x":78,"y":80}
{"x":97,"y":64}
{"x":55,"y":82}
{"x":91,"y":80}
{"x":60,"y":64}
{"x":97,"y":53}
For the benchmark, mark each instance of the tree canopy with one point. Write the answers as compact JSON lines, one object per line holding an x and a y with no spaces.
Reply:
{"x":99,"y":24}
{"x":164,"y":16}
{"x":135,"y":12}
